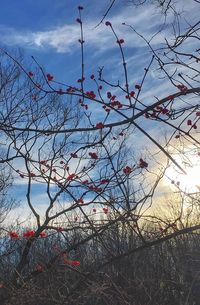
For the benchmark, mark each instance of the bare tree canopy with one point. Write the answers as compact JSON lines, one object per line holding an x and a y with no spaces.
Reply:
{"x":114,"y":156}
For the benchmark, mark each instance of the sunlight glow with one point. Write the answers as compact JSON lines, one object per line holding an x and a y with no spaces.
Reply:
{"x":189,"y":183}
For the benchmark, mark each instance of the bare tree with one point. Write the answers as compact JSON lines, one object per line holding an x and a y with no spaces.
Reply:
{"x":97,"y":188}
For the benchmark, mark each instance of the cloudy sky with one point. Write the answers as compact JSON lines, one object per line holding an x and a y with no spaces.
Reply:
{"x":48,"y":30}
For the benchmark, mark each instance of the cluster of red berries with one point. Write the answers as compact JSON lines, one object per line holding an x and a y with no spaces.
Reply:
{"x":28,"y":234}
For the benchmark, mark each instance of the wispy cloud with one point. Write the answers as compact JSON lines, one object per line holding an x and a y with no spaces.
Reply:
{"x":65,"y":38}
{"x":145,"y":19}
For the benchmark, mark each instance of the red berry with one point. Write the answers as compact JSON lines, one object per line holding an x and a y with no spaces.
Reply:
{"x":120,"y":41}
{"x":78,"y":20}
{"x":74,"y":155}
{"x":109,"y":95}
{"x":30,"y":74}
{"x":127,"y":170}
{"x":49,"y":77}
{"x":143,"y":164}
{"x":170,"y":97}
{"x":137,"y":87}
{"x":105,"y":210}
{"x":108,"y":23}
{"x":100,"y":125}
{"x":93,"y":155}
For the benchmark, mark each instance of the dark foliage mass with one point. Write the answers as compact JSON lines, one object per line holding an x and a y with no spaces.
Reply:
{"x":168,"y":273}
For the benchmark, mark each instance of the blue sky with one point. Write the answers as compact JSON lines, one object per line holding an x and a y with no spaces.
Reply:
{"x":47,"y":29}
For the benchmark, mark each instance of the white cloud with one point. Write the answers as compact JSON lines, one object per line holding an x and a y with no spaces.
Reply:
{"x":145,"y":19}
{"x":65,"y":38}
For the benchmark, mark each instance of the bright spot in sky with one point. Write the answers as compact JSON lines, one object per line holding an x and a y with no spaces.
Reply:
{"x":190,"y":162}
